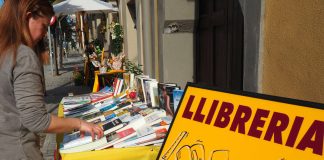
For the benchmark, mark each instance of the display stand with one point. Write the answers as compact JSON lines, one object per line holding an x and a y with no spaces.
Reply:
{"x":138,"y":153}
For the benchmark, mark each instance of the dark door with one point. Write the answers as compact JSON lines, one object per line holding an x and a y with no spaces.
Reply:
{"x":219,"y":44}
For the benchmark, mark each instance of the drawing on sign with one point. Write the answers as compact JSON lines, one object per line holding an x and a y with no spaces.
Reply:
{"x":195,"y":151}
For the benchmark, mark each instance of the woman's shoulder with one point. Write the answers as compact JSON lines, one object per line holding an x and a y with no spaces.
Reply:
{"x":26,"y":55}
{"x":25,"y":50}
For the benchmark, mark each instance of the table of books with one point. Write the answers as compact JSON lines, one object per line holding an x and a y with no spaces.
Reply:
{"x":138,"y":153}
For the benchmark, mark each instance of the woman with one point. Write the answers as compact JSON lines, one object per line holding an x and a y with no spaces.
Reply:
{"x":23,"y":24}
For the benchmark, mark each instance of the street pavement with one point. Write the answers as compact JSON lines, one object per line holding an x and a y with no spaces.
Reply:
{"x":56,"y":88}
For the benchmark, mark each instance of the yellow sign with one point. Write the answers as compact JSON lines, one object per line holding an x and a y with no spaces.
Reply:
{"x":216,"y":125}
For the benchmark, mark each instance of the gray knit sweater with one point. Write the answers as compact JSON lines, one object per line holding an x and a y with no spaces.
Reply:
{"x":22,"y":106}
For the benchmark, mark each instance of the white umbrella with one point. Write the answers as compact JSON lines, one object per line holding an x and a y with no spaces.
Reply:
{"x":72,"y":6}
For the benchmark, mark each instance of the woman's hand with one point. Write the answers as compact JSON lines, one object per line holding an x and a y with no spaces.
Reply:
{"x":91,"y":128}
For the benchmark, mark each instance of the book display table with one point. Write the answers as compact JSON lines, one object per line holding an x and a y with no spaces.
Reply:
{"x":138,"y":153}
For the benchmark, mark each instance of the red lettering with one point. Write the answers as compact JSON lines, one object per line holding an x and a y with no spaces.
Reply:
{"x":257,"y":122}
{"x":276,"y":129}
{"x":187,"y":113}
{"x":242,"y":115}
{"x":316,"y":130}
{"x":224,"y":113}
{"x":294,"y":131}
{"x":211,"y":112}
{"x":198,"y":116}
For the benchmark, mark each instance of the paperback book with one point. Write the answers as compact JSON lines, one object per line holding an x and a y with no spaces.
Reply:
{"x":104,"y":142}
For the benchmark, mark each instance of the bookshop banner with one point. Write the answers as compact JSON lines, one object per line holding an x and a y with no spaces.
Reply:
{"x":212,"y":124}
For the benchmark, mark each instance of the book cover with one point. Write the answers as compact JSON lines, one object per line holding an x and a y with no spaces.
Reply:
{"x":80,"y":99}
{"x":99,"y":96}
{"x":121,"y":86}
{"x":79,"y":110}
{"x":131,"y":81}
{"x":91,"y":116}
{"x":105,"y":116}
{"x":141,"y":132}
{"x":126,"y":77}
{"x":177,"y":95}
{"x":112,"y":126}
{"x":74,"y":139}
{"x":151,"y":92}
{"x":140,"y":87}
{"x":117,"y":138}
{"x":70,"y":107}
{"x":104,"y":142}
{"x":165,"y":93}
{"x":138,"y":140}
{"x":105,"y":89}
{"x":116,"y":87}
{"x":83,"y":113}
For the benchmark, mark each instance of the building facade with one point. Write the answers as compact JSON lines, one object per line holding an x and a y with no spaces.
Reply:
{"x":269,"y":47}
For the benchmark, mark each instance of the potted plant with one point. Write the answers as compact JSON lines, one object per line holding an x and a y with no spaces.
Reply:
{"x":116,"y":31}
{"x":77,"y":77}
{"x":131,"y":67}
{"x":115,"y":62}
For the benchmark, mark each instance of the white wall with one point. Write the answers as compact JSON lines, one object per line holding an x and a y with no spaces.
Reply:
{"x":130,"y":35}
{"x":178,"y":48}
{"x":178,"y":58}
{"x":179,"y":9}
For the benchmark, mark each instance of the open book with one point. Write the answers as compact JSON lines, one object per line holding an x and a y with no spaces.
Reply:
{"x":74,"y":139}
{"x":106,"y":141}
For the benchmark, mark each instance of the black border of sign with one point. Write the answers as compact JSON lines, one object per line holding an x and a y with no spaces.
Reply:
{"x":247,"y":94}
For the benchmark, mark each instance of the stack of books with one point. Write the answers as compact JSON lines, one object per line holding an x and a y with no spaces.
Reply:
{"x":125,"y":123}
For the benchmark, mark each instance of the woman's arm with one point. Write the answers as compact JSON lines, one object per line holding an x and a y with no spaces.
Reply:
{"x":63,"y":125}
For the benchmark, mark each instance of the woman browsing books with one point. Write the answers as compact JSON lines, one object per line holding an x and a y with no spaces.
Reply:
{"x":23,"y":24}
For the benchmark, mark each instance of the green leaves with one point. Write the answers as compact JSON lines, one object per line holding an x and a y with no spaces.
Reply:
{"x":117,"y":38}
{"x":132,"y":67}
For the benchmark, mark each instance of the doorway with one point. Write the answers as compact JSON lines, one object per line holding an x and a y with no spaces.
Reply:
{"x":219,"y":44}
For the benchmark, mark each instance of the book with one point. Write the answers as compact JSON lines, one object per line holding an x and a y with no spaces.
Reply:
{"x":140,"y":87}
{"x":146,"y":111}
{"x":126,"y":77}
{"x":74,"y":139}
{"x":80,"y":99}
{"x":151,"y":92}
{"x":82,"y":113}
{"x":155,"y":135}
{"x":118,"y":137}
{"x":177,"y":95}
{"x":99,"y":96}
{"x":104,"y":142}
{"x":141,"y":132}
{"x":105,"y":116}
{"x":116,"y":86}
{"x":135,"y":122}
{"x":79,"y":111}
{"x":105,"y":89}
{"x":112,"y":126}
{"x":153,"y":142}
{"x":131,"y":81}
{"x":120,"y":87}
{"x":165,"y":93}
